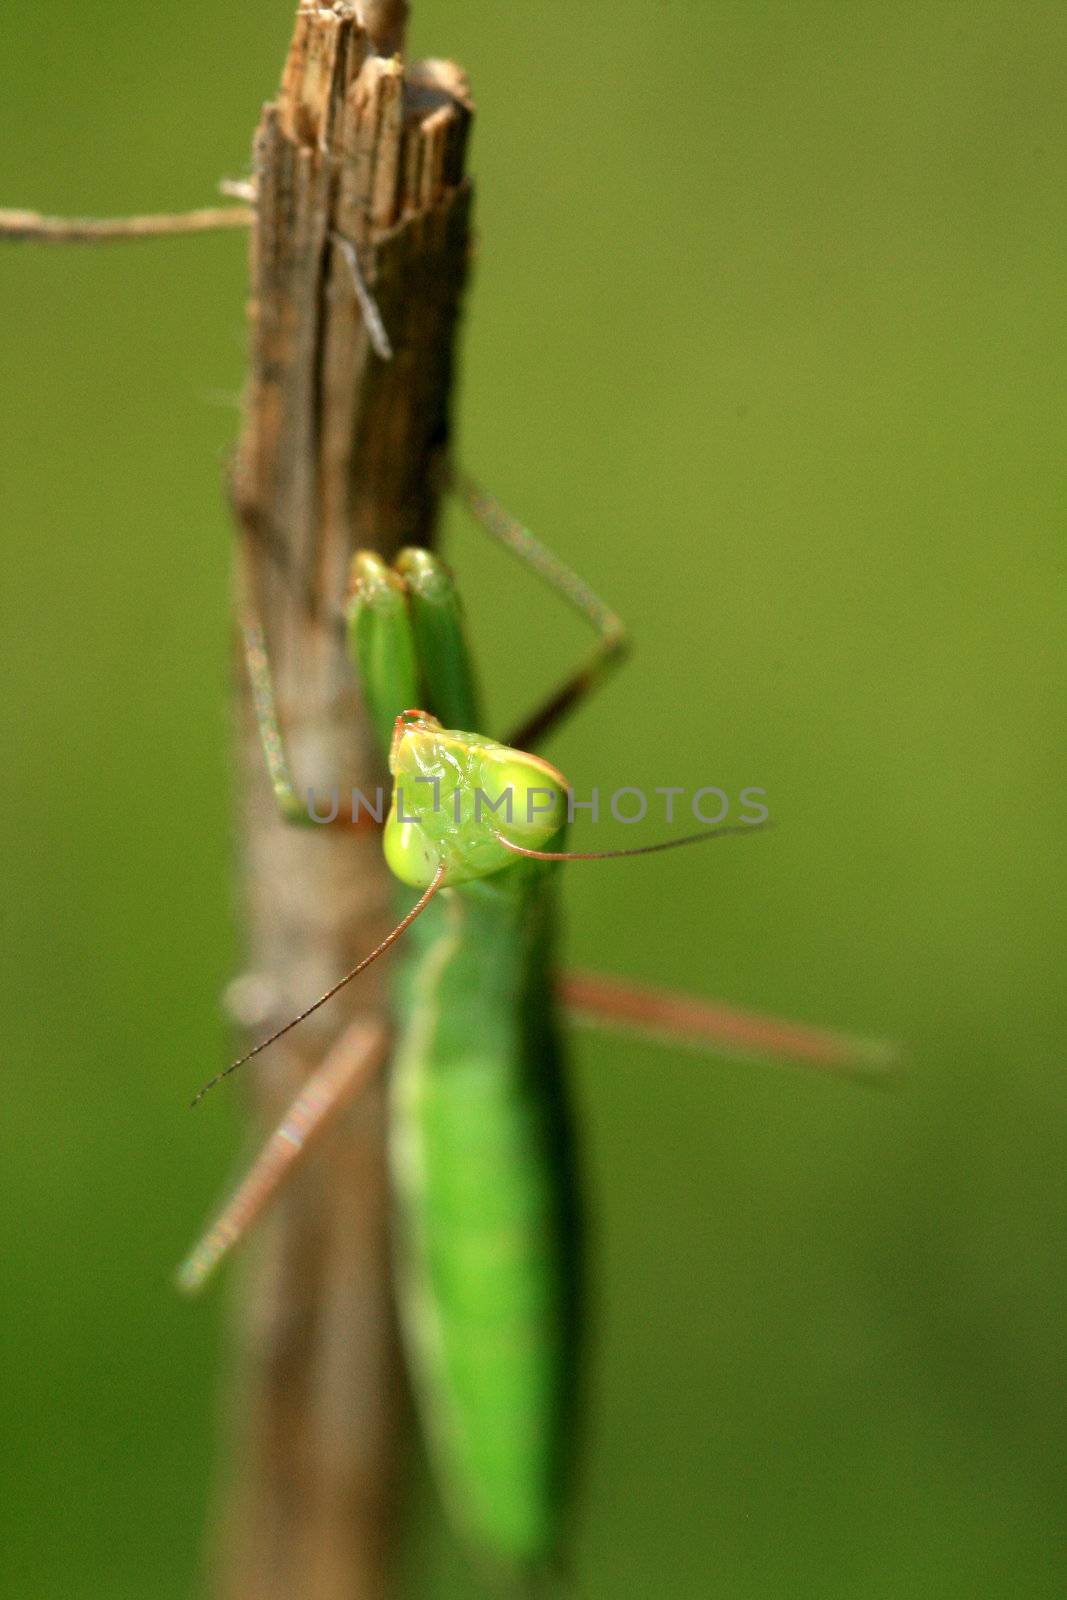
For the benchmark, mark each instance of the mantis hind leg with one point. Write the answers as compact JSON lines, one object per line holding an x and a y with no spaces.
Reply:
{"x":709,"y":1026}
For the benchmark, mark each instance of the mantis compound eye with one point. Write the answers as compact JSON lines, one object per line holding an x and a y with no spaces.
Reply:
{"x":409,"y":854}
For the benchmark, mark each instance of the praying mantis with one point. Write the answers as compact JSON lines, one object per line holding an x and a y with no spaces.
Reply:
{"x":481,"y":1147}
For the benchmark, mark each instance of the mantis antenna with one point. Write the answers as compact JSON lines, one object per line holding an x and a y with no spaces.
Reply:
{"x":361,"y":966}
{"x":636,"y":850}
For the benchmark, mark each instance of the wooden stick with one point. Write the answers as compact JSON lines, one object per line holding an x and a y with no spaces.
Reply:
{"x":32,"y":226}
{"x":336,"y":451}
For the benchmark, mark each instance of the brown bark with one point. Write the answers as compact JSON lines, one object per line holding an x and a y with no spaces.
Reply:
{"x":336,"y":452}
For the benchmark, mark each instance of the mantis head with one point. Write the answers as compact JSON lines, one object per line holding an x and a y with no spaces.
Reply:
{"x":457,"y":797}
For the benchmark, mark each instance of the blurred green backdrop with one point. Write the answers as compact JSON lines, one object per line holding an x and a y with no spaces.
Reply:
{"x":767,"y":335}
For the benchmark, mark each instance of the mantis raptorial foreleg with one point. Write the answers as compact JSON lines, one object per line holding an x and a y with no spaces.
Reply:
{"x":405,"y":631}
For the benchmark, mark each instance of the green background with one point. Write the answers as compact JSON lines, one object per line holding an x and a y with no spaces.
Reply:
{"x":767,"y":336}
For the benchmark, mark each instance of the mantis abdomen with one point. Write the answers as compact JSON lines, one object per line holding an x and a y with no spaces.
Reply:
{"x":485,"y":1212}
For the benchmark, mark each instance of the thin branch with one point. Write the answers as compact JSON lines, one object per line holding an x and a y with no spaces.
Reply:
{"x":32,"y":226}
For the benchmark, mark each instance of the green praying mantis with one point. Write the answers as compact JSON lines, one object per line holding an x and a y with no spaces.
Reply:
{"x":481,"y":1147}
